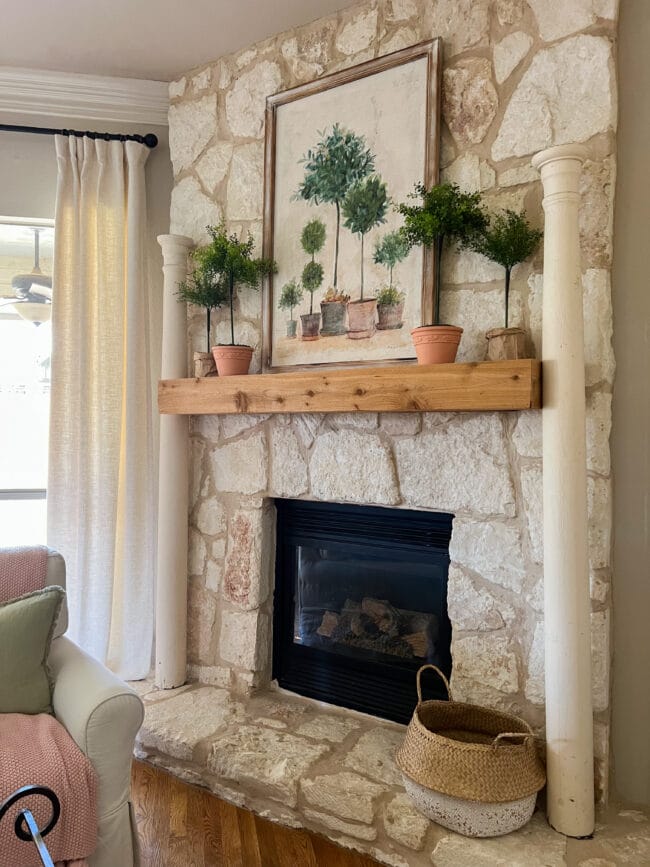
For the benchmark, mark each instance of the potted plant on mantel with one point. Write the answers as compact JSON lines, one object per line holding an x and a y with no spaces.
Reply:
{"x":446,"y":215}
{"x":507,"y":239}
{"x":391,"y":250}
{"x":231,"y":264}
{"x":290,"y":297}
{"x":364,"y":207}
{"x":203,"y":289}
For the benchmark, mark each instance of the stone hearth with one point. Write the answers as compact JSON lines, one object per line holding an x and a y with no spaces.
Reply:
{"x":306,"y":764}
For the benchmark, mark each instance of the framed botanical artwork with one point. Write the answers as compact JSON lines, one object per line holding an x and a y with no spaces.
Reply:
{"x":340,"y":153}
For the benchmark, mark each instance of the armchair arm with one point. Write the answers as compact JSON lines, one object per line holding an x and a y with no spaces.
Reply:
{"x":101,"y":714}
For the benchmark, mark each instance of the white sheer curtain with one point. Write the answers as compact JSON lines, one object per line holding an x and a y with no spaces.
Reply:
{"x":101,"y":485}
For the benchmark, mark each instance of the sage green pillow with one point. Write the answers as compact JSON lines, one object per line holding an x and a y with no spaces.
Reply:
{"x":26,"y":629}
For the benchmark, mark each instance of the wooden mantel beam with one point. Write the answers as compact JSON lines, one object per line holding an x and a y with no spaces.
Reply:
{"x":476,"y":387}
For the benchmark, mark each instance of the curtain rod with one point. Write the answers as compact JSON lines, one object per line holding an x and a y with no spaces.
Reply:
{"x":150,"y":140}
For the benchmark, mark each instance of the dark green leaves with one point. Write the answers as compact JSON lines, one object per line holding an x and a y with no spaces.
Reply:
{"x":365,"y":205}
{"x":507,"y":239}
{"x":312,"y":237}
{"x":445,"y":212}
{"x":312,"y":276}
{"x":338,"y":161}
{"x":290,"y":296}
{"x":392,"y":248}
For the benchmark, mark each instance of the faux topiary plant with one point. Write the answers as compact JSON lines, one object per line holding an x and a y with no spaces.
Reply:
{"x":507,"y":239}
{"x":446,"y":215}
{"x":231,"y":264}
{"x":203,"y":288}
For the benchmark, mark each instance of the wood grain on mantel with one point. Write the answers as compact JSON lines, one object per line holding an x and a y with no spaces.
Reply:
{"x":477,"y":387}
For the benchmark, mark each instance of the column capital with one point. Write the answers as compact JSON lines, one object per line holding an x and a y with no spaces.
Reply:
{"x":560,"y":153}
{"x":175,"y":248}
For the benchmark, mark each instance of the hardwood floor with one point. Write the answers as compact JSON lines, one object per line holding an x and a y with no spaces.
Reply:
{"x":184,"y":826}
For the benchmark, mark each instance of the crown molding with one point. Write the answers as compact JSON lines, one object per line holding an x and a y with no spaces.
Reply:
{"x":92,"y":97}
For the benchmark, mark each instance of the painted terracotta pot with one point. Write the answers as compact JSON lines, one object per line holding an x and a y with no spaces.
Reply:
{"x":362,"y":316}
{"x":310,"y":324}
{"x":436,"y":344}
{"x":232,"y":360}
{"x":389,"y":316}
{"x":333,"y":313}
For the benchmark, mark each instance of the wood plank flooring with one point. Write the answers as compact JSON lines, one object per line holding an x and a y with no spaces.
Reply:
{"x":184,"y":826}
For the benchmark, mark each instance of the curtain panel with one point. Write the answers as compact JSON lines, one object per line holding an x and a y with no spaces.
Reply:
{"x":101,"y":484}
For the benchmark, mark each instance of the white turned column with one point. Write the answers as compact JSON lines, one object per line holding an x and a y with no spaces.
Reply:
{"x":569,"y":719}
{"x":171,"y":586}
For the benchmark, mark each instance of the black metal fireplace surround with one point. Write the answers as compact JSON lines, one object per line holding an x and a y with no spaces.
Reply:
{"x":360,"y":604}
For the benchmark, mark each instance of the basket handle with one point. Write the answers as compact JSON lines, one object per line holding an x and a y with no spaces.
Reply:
{"x":525,"y":735}
{"x":437,"y":671}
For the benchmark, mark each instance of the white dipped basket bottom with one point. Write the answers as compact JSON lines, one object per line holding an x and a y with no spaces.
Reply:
{"x":471,"y":769}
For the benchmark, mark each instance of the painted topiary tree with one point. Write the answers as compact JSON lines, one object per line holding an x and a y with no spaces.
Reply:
{"x":290,"y":297}
{"x":364,"y":207}
{"x":389,"y":251}
{"x":312,"y":239}
{"x":339,"y":160}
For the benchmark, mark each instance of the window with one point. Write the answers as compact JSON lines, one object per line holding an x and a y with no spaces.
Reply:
{"x":26,"y":249}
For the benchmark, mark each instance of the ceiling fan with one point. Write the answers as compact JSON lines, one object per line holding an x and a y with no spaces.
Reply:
{"x":33,"y":290}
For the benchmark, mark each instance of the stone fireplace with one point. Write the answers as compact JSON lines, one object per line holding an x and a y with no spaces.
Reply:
{"x":509,"y":90}
{"x":485,"y":469}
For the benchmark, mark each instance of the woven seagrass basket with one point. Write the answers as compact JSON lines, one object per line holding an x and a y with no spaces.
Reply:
{"x":471,"y":753}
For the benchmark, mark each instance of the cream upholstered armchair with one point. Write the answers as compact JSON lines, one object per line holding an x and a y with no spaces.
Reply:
{"x":102,"y":715}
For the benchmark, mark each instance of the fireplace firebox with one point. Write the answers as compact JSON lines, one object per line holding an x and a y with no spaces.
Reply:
{"x":360,"y":603}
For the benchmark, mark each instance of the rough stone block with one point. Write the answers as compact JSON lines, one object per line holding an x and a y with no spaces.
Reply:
{"x":244,"y":638}
{"x":352,"y":466}
{"x":268,"y":761}
{"x":345,"y":795}
{"x":469,"y":100}
{"x":374,"y":755}
{"x":404,"y":824}
{"x":472,"y":477}
{"x":191,"y":126}
{"x":288,"y":469}
{"x":241,"y":466}
{"x":247,"y":573}
{"x":175,"y":726}
{"x":542,"y":110}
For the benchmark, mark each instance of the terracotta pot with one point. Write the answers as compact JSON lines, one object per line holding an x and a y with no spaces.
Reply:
{"x":292,"y":326}
{"x":361,"y":318}
{"x":310,"y":326}
{"x":333,"y":313}
{"x":507,"y":344}
{"x":390,"y":316}
{"x":436,"y":344}
{"x":232,"y":360}
{"x":204,"y":365}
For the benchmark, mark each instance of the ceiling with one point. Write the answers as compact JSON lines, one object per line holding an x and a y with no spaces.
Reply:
{"x":151,"y":39}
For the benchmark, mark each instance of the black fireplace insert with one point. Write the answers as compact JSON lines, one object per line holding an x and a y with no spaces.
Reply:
{"x":360,"y":604}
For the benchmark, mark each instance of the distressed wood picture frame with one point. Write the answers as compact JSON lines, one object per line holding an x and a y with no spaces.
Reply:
{"x":340,"y":152}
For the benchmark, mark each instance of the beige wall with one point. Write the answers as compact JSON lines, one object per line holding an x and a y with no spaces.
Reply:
{"x":631,"y":432}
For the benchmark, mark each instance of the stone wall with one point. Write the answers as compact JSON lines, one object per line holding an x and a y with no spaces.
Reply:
{"x":519,"y":76}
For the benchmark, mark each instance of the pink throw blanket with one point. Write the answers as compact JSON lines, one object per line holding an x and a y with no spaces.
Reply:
{"x":22,"y":570}
{"x":37,"y":750}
